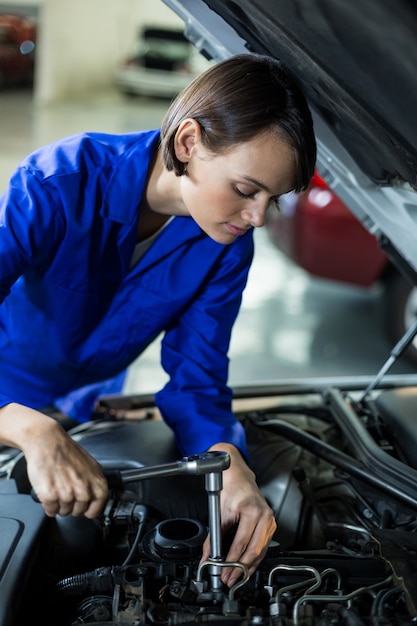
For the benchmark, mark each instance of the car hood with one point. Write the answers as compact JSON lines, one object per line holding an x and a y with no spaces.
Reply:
{"x":357,"y":68}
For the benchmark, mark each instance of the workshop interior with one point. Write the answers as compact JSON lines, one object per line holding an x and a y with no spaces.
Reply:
{"x":333,"y":443}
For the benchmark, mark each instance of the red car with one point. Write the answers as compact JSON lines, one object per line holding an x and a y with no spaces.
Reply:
{"x":316,"y":230}
{"x":17,"y":49}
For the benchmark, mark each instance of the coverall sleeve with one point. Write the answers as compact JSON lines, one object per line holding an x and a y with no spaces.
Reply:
{"x":30,"y":226}
{"x":196,"y":402}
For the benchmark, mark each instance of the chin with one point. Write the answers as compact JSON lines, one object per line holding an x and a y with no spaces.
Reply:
{"x":224,"y":240}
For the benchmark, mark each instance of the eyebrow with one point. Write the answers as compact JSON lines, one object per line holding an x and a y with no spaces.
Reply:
{"x":257,"y":182}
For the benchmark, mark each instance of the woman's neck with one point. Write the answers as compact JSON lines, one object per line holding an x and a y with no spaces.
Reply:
{"x":161,"y":200}
{"x":162,"y":191}
{"x":149,"y":222}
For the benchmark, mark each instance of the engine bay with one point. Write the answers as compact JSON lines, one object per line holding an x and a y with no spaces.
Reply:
{"x":338,"y":470}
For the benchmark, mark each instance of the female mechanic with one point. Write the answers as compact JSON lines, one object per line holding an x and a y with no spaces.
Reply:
{"x":108,"y":240}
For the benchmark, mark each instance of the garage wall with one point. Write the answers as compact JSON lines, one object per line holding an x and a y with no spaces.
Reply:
{"x":81,"y":41}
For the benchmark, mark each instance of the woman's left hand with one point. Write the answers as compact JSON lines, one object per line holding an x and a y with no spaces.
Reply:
{"x":243,"y":506}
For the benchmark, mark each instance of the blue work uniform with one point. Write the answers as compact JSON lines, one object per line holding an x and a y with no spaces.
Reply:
{"x":74,"y":314}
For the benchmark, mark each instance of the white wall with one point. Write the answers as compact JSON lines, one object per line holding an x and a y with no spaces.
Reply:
{"x":81,"y":41}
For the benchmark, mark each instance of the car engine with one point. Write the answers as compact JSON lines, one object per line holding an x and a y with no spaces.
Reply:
{"x":338,"y":470}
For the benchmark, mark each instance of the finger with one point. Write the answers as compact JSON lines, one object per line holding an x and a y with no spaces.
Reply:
{"x":98,"y":499}
{"x":65,"y":508}
{"x":248,"y":547}
{"x":90,"y":498}
{"x":60,"y":504}
{"x":94,"y":508}
{"x":231,"y":576}
{"x":51,"y":508}
{"x":90,"y":509}
{"x":243,"y":535}
{"x":236,"y":550}
{"x":79,"y":508}
{"x":51,"y":501}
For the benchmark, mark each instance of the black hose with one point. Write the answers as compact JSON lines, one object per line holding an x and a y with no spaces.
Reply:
{"x":99,"y":581}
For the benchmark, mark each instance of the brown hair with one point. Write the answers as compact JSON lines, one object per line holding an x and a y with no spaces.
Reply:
{"x":238,"y":98}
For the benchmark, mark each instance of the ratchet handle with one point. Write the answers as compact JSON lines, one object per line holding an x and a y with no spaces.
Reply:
{"x":210,"y":463}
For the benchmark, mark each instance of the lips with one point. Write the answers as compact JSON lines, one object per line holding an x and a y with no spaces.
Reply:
{"x":235,"y":230}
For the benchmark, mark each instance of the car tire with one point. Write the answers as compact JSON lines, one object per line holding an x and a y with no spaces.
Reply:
{"x":400,"y":310}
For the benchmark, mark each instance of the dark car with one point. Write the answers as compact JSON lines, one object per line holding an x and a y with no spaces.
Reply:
{"x":317,"y":231}
{"x":336,"y":458}
{"x":17,"y":49}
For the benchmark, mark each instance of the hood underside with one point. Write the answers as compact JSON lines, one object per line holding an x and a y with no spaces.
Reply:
{"x":356,"y":64}
{"x":357,"y":67}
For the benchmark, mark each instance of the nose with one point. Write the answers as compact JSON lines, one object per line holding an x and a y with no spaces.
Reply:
{"x":255,"y":215}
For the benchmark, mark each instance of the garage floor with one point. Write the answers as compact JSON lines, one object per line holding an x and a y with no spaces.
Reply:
{"x":290,"y":325}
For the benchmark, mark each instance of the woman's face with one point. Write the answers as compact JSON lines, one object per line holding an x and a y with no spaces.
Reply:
{"x":229,"y":193}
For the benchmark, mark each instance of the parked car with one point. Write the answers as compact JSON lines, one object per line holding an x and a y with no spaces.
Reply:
{"x":17,"y":49}
{"x":336,"y":458}
{"x":163,"y":63}
{"x":318,"y":232}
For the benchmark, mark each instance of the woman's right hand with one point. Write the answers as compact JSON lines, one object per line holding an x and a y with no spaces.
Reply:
{"x":65,"y":478}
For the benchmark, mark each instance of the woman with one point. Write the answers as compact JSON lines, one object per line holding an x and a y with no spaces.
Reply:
{"x":108,"y":240}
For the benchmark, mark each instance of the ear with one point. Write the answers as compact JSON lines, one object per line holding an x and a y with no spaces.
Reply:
{"x":186,"y":139}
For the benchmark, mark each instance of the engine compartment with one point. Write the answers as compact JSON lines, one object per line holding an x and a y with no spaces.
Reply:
{"x":336,"y":470}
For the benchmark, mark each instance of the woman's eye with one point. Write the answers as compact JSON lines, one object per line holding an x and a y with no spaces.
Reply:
{"x":244,"y":195}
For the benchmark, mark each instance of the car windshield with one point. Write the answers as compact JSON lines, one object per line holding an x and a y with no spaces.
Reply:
{"x":173,"y":50}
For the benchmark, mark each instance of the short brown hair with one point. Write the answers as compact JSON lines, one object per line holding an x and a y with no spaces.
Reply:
{"x":238,"y":98}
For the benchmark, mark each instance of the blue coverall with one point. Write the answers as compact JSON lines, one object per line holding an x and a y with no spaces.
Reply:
{"x":74,"y":315}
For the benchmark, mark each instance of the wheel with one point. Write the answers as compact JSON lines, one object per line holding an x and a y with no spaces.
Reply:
{"x":400,"y":310}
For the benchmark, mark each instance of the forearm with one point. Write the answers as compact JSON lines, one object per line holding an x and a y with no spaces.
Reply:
{"x":20,"y":426}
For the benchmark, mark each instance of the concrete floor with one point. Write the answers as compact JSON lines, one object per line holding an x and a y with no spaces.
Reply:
{"x":290,"y":325}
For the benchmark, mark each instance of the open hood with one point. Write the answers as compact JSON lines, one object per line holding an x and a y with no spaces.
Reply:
{"x":357,"y":67}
